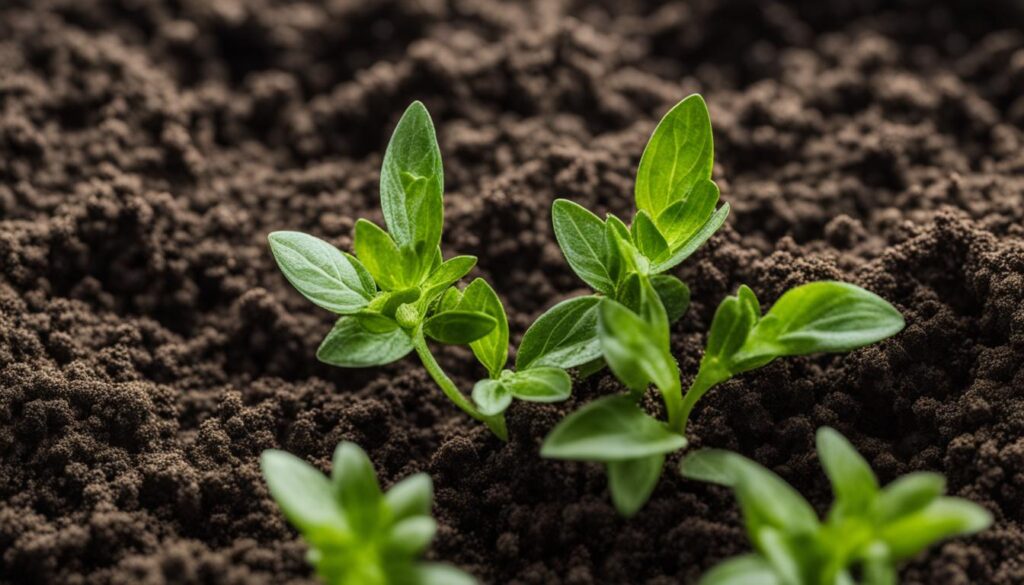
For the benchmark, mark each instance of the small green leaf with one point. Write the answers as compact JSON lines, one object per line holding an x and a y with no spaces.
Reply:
{"x":730,"y":327}
{"x":632,"y":481}
{"x":306,"y":497}
{"x":378,"y":252}
{"x":853,"y":483}
{"x":879,"y":568}
{"x":390,"y":301}
{"x":581,"y":235}
{"x":411,"y":496}
{"x":679,"y":155}
{"x":450,"y":300}
{"x":350,"y":344}
{"x":613,"y":428}
{"x":539,"y":384}
{"x":492,"y":349}
{"x":412,"y":536}
{"x":412,"y":182}
{"x":782,"y":553}
{"x":634,"y":349}
{"x":356,"y":487}
{"x":647,"y":238}
{"x":943,"y":518}
{"x":821,"y":316}
{"x":683,"y":219}
{"x":321,"y":272}
{"x":440,"y":574}
{"x":459,"y":327}
{"x":742,"y":570}
{"x":491,"y":397}
{"x":565,"y":336}
{"x":638,"y":295}
{"x":908,"y":494}
{"x":674,"y":295}
{"x":444,"y":276}
{"x":686,"y":248}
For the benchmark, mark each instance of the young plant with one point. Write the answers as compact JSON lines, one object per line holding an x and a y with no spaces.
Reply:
{"x":357,"y":534}
{"x":634,"y":335}
{"x":675,"y":201}
{"x":397,"y":290}
{"x":868,"y":531}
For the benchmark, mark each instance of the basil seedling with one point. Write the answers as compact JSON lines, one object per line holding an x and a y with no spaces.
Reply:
{"x":868,"y":531}
{"x":634,"y":335}
{"x":397,"y":290}
{"x":357,"y":534}
{"x":675,"y":201}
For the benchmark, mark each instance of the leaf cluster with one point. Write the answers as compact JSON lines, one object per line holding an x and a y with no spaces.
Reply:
{"x":868,"y":531}
{"x":358,"y":534}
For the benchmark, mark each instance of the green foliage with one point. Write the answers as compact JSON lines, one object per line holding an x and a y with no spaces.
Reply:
{"x":868,"y":531}
{"x":357,"y":534}
{"x":400,"y":291}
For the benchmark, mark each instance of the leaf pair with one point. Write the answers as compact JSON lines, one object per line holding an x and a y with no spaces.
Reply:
{"x":347,"y":515}
{"x":868,"y":528}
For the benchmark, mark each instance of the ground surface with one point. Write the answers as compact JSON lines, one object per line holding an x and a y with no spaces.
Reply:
{"x":149,"y":348}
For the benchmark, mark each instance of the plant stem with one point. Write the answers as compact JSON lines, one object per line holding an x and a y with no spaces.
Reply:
{"x":706,"y":378}
{"x":495,"y":423}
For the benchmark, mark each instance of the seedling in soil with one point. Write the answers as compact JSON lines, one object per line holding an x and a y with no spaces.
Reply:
{"x":357,"y":534}
{"x":675,"y":201}
{"x":397,"y":291}
{"x":634,"y":335}
{"x":868,"y":531}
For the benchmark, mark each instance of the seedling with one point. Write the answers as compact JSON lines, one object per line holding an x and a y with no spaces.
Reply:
{"x":869,"y":530}
{"x":634,"y":335}
{"x":675,"y":201}
{"x":397,"y":290}
{"x":357,"y":534}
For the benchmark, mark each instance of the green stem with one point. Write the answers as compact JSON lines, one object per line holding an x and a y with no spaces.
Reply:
{"x":495,"y":423}
{"x":704,"y":381}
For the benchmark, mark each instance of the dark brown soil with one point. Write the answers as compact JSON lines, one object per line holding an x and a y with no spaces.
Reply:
{"x":149,"y":348}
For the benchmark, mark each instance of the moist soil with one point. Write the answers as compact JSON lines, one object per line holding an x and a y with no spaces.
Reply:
{"x":150,"y":349}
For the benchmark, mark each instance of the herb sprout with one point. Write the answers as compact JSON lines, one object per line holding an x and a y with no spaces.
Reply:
{"x":397,"y":291}
{"x":675,"y":201}
{"x":869,"y":529}
{"x":357,"y":534}
{"x":634,"y":335}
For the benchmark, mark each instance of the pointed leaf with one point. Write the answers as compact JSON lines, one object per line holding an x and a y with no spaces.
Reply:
{"x":306,"y":497}
{"x":853,"y":483}
{"x":635,"y":351}
{"x":412,"y":536}
{"x":581,"y":235}
{"x":683,"y":219}
{"x":352,"y":345}
{"x":742,"y":570}
{"x":908,"y":494}
{"x":459,"y":327}
{"x":647,"y":238}
{"x":610,"y":429}
{"x":446,"y":275}
{"x":440,"y":574}
{"x":411,"y":496}
{"x":632,"y":481}
{"x":321,"y":272}
{"x":356,"y":487}
{"x":565,"y":336}
{"x":943,"y":518}
{"x":674,"y":295}
{"x":683,"y":250}
{"x":382,"y":258}
{"x":492,"y":349}
{"x":539,"y":384}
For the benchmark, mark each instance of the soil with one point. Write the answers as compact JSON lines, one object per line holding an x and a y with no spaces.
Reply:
{"x":150,"y":349}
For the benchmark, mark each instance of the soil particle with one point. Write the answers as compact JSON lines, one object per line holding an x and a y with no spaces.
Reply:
{"x":149,"y":348}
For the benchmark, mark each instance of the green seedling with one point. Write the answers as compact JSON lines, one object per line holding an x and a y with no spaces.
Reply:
{"x":357,"y":534}
{"x":675,"y":214}
{"x":634,"y":335}
{"x":868,"y":531}
{"x":397,"y":291}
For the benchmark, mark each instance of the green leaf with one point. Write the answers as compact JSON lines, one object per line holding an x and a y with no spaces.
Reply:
{"x":539,"y":384}
{"x":440,"y":574}
{"x":647,"y":238}
{"x":356,"y":487}
{"x":638,"y":295}
{"x":635,"y":350}
{"x":412,"y":536}
{"x":686,"y":248}
{"x":305,"y":496}
{"x":766,"y":499}
{"x":565,"y":336}
{"x":444,"y":276}
{"x":321,"y":272}
{"x":491,"y":397}
{"x":878,"y":566}
{"x":742,"y":570}
{"x":459,"y":327}
{"x":943,"y":518}
{"x":492,"y":349}
{"x":853,"y":483}
{"x":679,"y":155}
{"x":378,"y":252}
{"x":908,"y":494}
{"x":632,"y":481}
{"x":411,"y":496}
{"x":613,"y":428}
{"x":674,"y":295}
{"x":581,"y":235}
{"x":730,"y":327}
{"x":450,"y":300}
{"x":821,"y":316}
{"x":350,"y":344}
{"x":782,"y":553}
{"x":412,"y":183}
{"x":683,"y":219}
